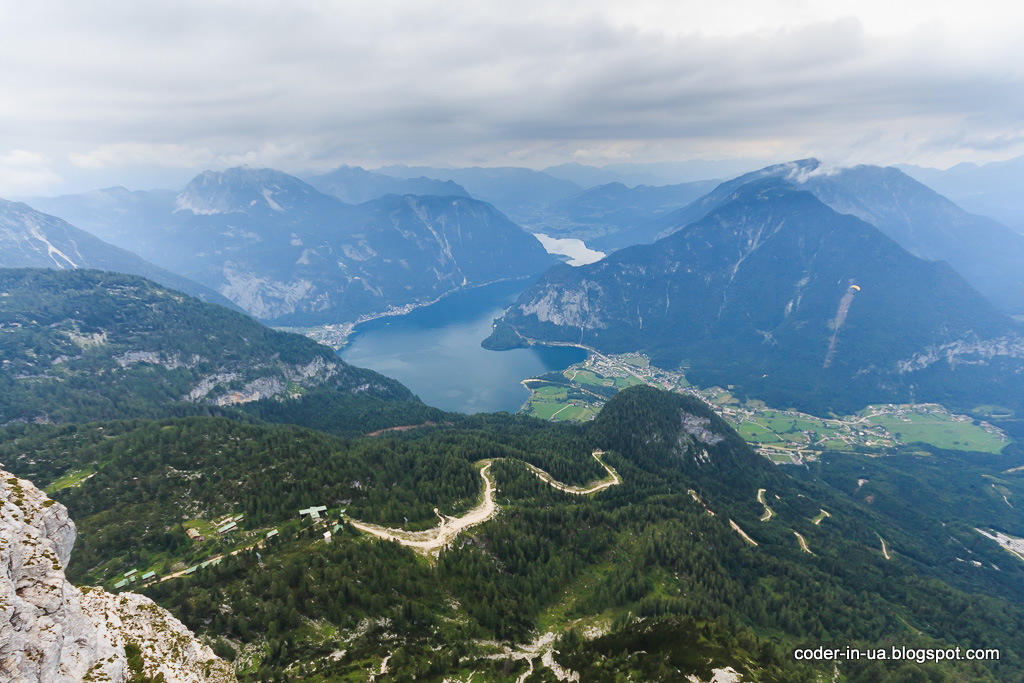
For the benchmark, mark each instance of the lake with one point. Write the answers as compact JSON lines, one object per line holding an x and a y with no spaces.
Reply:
{"x":436,"y":352}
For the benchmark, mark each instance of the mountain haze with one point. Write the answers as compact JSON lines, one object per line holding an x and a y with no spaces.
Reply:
{"x":614,"y":216}
{"x":992,"y":189}
{"x":285,"y":252}
{"x":519,"y":193}
{"x":356,"y":185}
{"x":31,"y":239}
{"x":114,"y":214}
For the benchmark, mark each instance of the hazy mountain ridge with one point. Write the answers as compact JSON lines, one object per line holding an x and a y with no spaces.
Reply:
{"x":31,"y":239}
{"x":519,"y":193}
{"x":114,"y":214}
{"x":920,"y":220}
{"x":992,"y":189}
{"x":283,"y":251}
{"x":775,"y":292}
{"x":600,"y":209}
{"x":614,"y":216}
{"x":356,"y":185}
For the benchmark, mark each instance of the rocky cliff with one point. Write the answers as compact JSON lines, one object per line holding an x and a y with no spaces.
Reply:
{"x":52,"y":631}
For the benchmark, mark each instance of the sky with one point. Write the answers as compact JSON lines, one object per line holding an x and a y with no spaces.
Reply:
{"x":147,"y":94}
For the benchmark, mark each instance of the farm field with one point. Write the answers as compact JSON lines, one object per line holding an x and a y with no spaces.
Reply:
{"x":935,"y":425}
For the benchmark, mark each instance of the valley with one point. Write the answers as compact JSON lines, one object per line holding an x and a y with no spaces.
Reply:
{"x":783,"y":436}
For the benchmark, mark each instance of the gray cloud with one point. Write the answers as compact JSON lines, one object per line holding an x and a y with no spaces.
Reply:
{"x":100,"y":88}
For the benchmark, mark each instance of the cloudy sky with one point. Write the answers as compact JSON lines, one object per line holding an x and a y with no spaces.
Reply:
{"x":145,"y":94}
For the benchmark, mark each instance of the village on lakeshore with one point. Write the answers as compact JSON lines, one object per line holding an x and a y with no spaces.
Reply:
{"x":785,"y":436}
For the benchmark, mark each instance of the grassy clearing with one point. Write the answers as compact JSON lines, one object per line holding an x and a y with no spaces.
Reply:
{"x":549,"y":403}
{"x":578,"y":413}
{"x":756,"y":432}
{"x":993,"y":411}
{"x":940,"y":430}
{"x":545,"y":411}
{"x":588,"y":377}
{"x":204,"y":527}
{"x":551,"y":393}
{"x":588,"y":582}
{"x":820,"y":516}
{"x":69,"y":480}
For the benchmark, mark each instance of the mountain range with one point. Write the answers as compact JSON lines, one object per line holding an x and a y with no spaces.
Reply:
{"x":355,"y":185}
{"x":992,"y":189}
{"x":921,"y":221}
{"x":776,"y":293}
{"x":519,"y":193}
{"x":650,"y":544}
{"x":285,"y":252}
{"x":31,"y":239}
{"x":614,"y":216}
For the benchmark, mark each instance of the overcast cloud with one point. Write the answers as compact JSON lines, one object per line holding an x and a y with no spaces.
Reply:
{"x":146,"y":93}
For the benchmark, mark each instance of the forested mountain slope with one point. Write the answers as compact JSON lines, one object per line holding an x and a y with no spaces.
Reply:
{"x":84,"y":345}
{"x":678,"y":560}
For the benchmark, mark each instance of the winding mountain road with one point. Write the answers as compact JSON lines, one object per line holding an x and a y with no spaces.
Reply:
{"x":431,"y":541}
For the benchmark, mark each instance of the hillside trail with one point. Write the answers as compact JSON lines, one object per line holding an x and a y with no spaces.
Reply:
{"x":431,"y":541}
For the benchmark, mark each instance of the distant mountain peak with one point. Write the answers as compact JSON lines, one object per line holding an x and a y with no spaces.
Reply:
{"x":241,"y":190}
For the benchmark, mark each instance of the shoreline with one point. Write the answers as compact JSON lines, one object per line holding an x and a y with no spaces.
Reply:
{"x":336,"y":335}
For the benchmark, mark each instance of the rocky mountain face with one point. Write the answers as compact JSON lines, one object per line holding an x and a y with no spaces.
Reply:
{"x":287,"y":253}
{"x":31,"y":239}
{"x":928,"y":225}
{"x":54,"y":632}
{"x":777,"y":293}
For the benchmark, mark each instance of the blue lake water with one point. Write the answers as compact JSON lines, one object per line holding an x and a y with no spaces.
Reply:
{"x":436,"y":352}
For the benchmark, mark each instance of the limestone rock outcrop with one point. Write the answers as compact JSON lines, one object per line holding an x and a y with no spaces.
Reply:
{"x":54,"y":632}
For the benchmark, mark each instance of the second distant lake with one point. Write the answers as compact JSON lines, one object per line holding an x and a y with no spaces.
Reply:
{"x":436,"y":352}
